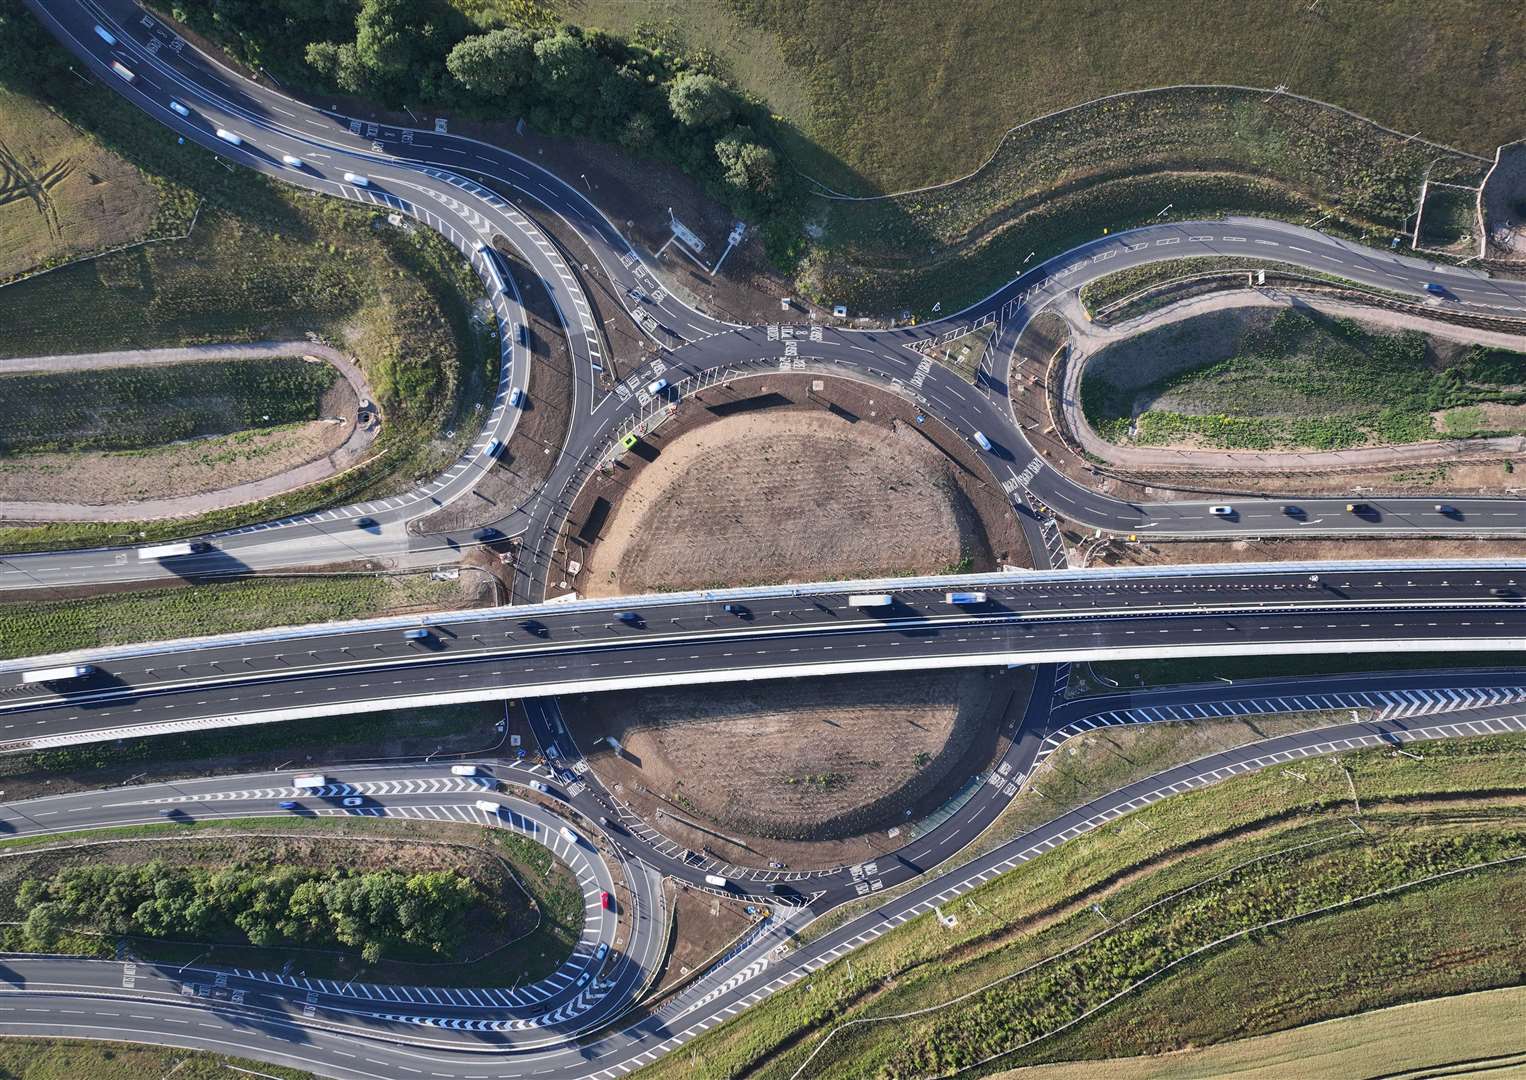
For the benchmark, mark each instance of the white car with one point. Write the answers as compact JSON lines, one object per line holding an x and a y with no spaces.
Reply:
{"x":357,"y":179}
{"x":178,"y":108}
{"x":122,"y":70}
{"x":293,"y":160}
{"x":1221,"y":511}
{"x":656,"y":386}
{"x":516,"y":399}
{"x":230,"y":136}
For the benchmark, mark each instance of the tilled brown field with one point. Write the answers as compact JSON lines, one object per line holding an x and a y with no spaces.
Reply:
{"x":786,"y":496}
{"x":804,"y":759}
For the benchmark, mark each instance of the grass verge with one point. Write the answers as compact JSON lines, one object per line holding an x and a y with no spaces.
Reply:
{"x":1173,"y":671}
{"x":70,"y":1059}
{"x":1171,"y":878}
{"x":29,"y":629}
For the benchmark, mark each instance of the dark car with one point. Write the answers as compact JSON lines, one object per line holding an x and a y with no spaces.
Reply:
{"x":536,"y":627}
{"x":1297,"y":513}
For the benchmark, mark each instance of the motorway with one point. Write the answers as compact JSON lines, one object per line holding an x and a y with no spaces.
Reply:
{"x":365,"y":1030}
{"x":478,"y":194}
{"x":669,"y":639}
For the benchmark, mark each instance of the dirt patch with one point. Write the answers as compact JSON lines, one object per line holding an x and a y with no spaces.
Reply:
{"x":796,"y":771}
{"x":703,"y":926}
{"x":1504,"y":204}
{"x":865,"y":489}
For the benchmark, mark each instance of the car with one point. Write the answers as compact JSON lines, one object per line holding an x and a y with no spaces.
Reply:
{"x":536,"y":627}
{"x":1448,"y":511}
{"x":178,"y":108}
{"x":168,"y":811}
{"x":540,"y":786}
{"x":656,"y":386}
{"x":231,"y":137}
{"x":492,"y":448}
{"x":1358,"y":508}
{"x":981,"y":440}
{"x":105,"y":35}
{"x":357,"y":179}
{"x":367,"y":523}
{"x":1507,"y":594}
{"x":629,"y":441}
{"x":741,"y":611}
{"x":1435,"y":289}
{"x":1222,"y":511}
{"x":628,"y":617}
{"x":606,"y":901}
{"x":601,"y":952}
{"x":583,"y":978}
{"x":488,"y":535}
{"x":123,"y":70}
{"x":289,"y":805}
{"x":516,"y":399}
{"x":354,"y":800}
{"x":418,"y":633}
{"x":524,"y":335}
{"x":293,"y":160}
{"x":1298,"y":513}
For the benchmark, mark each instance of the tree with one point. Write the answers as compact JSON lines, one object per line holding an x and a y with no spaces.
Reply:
{"x":565,"y":64}
{"x":748,"y":167}
{"x":496,"y":63}
{"x":384,"y":41}
{"x":700,"y":101}
{"x":338,"y":63}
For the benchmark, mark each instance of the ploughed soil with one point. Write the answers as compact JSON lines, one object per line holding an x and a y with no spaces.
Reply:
{"x":704,"y":925}
{"x":798,"y":771}
{"x":782,"y":478}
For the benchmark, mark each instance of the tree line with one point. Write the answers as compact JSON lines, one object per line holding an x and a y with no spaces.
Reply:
{"x":379,"y":913}
{"x":560,"y":78}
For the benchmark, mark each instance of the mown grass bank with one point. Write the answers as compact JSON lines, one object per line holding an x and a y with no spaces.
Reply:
{"x":1168,"y":879}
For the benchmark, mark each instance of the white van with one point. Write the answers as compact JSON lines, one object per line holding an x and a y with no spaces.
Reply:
{"x":492,"y":448}
{"x":292,"y":161}
{"x":488,"y":806}
{"x":464,"y":770}
{"x":568,"y":835}
{"x":981,"y":440}
{"x":717,"y":881}
{"x":230,"y":136}
{"x":357,"y":179}
{"x":122,"y":70}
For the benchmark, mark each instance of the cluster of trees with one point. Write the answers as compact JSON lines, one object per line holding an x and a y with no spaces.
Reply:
{"x":560,"y":78}
{"x":378,"y":913}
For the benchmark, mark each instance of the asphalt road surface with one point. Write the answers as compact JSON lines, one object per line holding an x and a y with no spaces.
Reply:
{"x":480,"y":195}
{"x":600,"y":645}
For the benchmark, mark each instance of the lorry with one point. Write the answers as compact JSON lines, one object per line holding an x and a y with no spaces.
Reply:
{"x":879,"y":599}
{"x":173,"y":551}
{"x":56,"y":674}
{"x":309,"y":781}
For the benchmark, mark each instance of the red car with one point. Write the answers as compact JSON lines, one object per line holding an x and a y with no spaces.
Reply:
{"x":607,"y":900}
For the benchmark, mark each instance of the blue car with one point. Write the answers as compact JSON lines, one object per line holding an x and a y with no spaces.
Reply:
{"x":289,"y":805}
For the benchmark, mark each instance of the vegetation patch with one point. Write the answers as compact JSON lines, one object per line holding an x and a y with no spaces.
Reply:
{"x":68,"y":1059}
{"x":1188,"y":880}
{"x":455,"y":904}
{"x":263,"y":262}
{"x":133,"y":407}
{"x":1294,"y":380}
{"x":1449,"y":218}
{"x":30,"y":629}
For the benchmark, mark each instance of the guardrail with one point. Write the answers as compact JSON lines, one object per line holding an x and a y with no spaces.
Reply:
{"x":767,"y":592}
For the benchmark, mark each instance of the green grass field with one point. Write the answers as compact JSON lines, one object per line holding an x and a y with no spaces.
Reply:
{"x":73,"y":1059}
{"x":892,"y":98}
{"x":33,"y":628}
{"x":1031,"y":952}
{"x":1299,"y":380}
{"x":133,"y":408}
{"x":1467,"y":1032}
{"x":63,"y":196}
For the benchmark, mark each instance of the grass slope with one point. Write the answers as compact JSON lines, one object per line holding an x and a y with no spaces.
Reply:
{"x":1171,"y":878}
{"x":892,"y":96}
{"x":71,"y":1059}
{"x":135,"y":407}
{"x":29,"y":629}
{"x":1296,"y":380}
{"x":1483,"y":1029}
